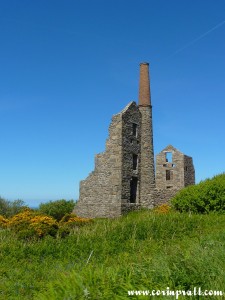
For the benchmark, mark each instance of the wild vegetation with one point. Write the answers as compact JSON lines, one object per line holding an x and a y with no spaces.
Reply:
{"x":57,"y":209}
{"x":10,"y":208}
{"x":106,"y":258}
{"x":205,"y":197}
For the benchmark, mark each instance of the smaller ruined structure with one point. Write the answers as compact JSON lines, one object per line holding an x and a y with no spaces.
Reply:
{"x":174,"y":171}
{"x":124,"y":177}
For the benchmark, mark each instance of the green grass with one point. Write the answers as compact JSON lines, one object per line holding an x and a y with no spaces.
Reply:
{"x":140,"y":251}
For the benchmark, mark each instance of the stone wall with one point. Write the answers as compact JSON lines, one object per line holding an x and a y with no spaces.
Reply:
{"x":163,"y":196}
{"x":131,"y":137}
{"x":175,"y":173}
{"x":100,"y":192}
{"x":147,"y":168}
{"x":189,"y":171}
{"x":106,"y":191}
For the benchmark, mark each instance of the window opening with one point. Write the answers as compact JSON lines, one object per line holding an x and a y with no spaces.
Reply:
{"x":169,"y":157}
{"x":133,"y":189}
{"x":169,"y":175}
{"x":134,"y":129}
{"x":135,"y":161}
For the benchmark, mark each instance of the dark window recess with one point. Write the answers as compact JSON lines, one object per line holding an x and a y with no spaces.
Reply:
{"x":134,"y":129}
{"x":169,"y":175}
{"x":164,"y":165}
{"x":131,"y":141}
{"x":185,"y":168}
{"x":135,"y":161}
{"x":133,"y":189}
{"x":169,"y":187}
{"x":169,"y":157}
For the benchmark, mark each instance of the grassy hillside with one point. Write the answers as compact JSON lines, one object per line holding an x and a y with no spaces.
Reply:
{"x":141,"y":251}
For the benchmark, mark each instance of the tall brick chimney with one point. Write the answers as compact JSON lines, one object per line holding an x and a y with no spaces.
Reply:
{"x":144,"y":85}
{"x":147,"y":168}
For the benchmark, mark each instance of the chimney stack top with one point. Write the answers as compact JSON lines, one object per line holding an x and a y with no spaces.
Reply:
{"x":144,"y":63}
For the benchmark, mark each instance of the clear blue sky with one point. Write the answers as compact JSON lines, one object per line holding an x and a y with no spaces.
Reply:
{"x":67,"y":66}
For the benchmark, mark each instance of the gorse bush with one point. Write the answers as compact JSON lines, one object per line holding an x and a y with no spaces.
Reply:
{"x":57,"y":209}
{"x":3,"y":222}
{"x":207,"y":196}
{"x":74,"y":220}
{"x":21,"y":221}
{"x":44,"y":225}
{"x":29,"y":225}
{"x":163,"y":209}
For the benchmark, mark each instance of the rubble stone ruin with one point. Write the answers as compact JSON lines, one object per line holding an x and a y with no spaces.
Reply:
{"x":124,"y":177}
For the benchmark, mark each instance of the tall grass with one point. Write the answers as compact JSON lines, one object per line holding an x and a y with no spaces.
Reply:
{"x":141,"y":251}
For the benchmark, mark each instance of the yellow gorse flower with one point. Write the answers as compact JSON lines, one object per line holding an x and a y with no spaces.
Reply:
{"x":29,"y":224}
{"x":163,"y":209}
{"x":73,"y":220}
{"x":3,"y":222}
{"x":38,"y":225}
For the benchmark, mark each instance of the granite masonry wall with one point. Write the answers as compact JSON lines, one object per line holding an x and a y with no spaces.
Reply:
{"x":106,"y":192}
{"x":189,"y":171}
{"x":163,"y":196}
{"x":147,"y":169}
{"x":100,"y":192}
{"x":131,"y":137}
{"x":174,"y":171}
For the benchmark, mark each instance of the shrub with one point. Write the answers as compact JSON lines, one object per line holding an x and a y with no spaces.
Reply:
{"x":57,"y":209}
{"x":72,"y":220}
{"x":208,"y":195}
{"x":44,"y":225}
{"x":32,"y":225}
{"x":3,"y":222}
{"x":29,"y":225}
{"x":10,"y":208}
{"x":21,"y":220}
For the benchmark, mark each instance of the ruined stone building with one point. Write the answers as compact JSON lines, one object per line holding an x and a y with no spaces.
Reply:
{"x":174,"y":169}
{"x":124,"y":177}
